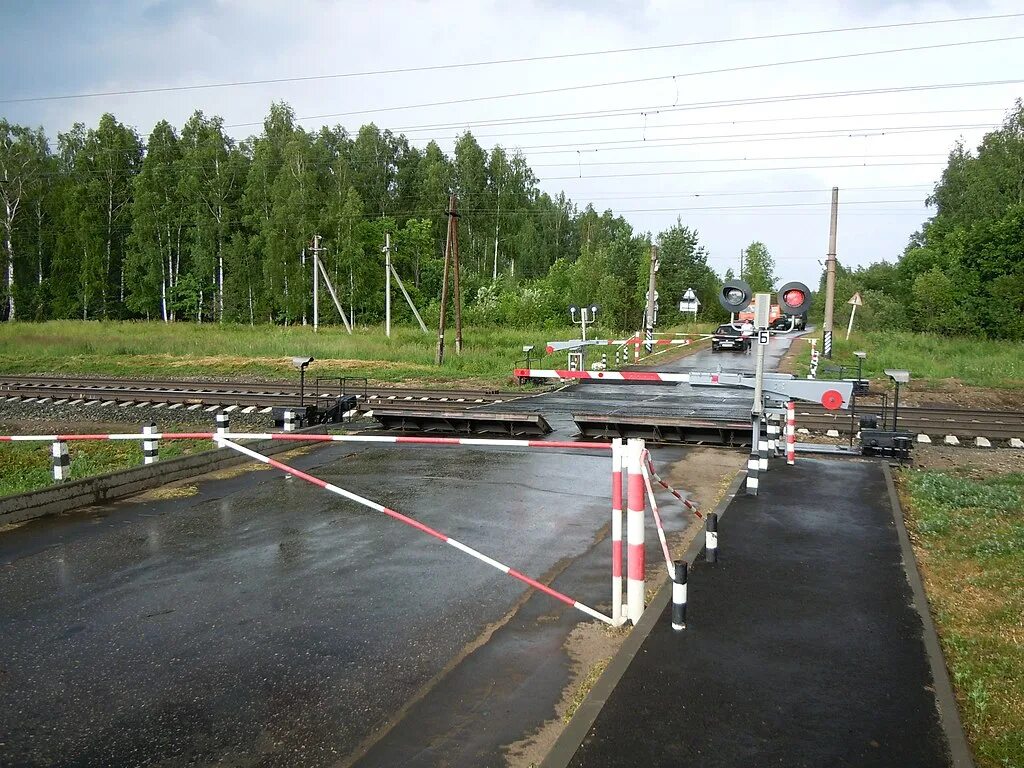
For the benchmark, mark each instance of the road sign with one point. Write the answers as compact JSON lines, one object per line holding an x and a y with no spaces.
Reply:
{"x":856,"y":300}
{"x":689,"y":295}
{"x":762,"y":337}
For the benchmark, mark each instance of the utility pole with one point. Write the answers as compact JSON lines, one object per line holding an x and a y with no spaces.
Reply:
{"x":439,"y":357}
{"x":455,"y":282}
{"x":316,"y":282}
{"x":830,"y":276}
{"x":651,"y":299}
{"x":387,"y":284}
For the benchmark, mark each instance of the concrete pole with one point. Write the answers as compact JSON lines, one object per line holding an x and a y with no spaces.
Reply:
{"x":387,"y":284}
{"x":439,"y":357}
{"x":456,"y":290}
{"x":316,"y":283}
{"x":830,"y":276}
{"x":651,"y":285}
{"x":759,"y":365}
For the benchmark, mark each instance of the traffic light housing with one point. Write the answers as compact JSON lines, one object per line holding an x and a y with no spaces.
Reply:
{"x":794,"y":298}
{"x":735,"y":296}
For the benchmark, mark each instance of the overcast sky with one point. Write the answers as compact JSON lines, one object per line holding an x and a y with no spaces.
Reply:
{"x":667,"y":145}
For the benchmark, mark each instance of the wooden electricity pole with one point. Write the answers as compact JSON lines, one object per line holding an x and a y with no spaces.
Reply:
{"x":439,"y":357}
{"x":455,"y":283}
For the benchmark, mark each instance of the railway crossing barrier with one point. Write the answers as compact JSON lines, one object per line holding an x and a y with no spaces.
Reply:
{"x":791,"y":433}
{"x":630,"y":462}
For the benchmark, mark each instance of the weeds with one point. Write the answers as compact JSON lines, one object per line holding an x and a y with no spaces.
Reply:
{"x":970,"y":541}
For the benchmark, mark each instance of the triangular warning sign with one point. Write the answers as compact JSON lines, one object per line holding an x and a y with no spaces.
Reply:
{"x":856,"y":300}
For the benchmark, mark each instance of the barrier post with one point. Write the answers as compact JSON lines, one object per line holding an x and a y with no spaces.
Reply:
{"x":711,"y":538}
{"x":773,"y":431}
{"x":150,"y":448}
{"x":617,"y":454}
{"x":635,"y":505}
{"x":679,"y":595}
{"x":762,"y":446}
{"x":61,"y":462}
{"x":223,"y":423}
{"x":791,"y":433}
{"x":754,"y":461}
{"x":289,"y":421}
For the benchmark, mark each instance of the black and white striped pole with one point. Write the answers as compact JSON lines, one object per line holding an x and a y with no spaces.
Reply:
{"x":150,"y":448}
{"x":753,"y":462}
{"x":679,"y":595}
{"x":762,"y":450}
{"x":711,"y":538}
{"x":289,"y":421}
{"x":61,"y":462}
{"x":223,"y":423}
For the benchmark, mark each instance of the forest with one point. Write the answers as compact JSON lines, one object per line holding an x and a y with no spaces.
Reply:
{"x":191,"y":225}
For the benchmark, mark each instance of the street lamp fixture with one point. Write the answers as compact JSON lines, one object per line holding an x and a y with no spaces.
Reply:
{"x":897,"y":376}
{"x":302,"y":363}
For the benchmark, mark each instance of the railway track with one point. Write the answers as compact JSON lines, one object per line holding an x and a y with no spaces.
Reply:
{"x":256,"y":395}
{"x":937,"y":422}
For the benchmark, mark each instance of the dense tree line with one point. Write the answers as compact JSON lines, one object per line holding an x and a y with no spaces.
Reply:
{"x":191,"y":225}
{"x":963,"y":272}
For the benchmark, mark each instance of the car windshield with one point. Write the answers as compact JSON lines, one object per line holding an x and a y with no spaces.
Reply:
{"x":727,"y":330}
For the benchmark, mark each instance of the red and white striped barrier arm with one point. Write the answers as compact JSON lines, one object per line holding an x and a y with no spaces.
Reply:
{"x":330,"y":488}
{"x":791,"y":433}
{"x":641,"y":376}
{"x":308,"y":438}
{"x":685,"y":501}
{"x":657,"y":521}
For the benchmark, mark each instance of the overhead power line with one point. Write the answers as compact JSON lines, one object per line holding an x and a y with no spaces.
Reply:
{"x":734,"y":170}
{"x":662,"y":126}
{"x":493,"y":62}
{"x":685,"y":107}
{"x":656,"y":78}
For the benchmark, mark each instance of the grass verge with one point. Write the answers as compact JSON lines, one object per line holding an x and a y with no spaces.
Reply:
{"x":968,"y":533}
{"x":29,"y":466}
{"x":154,"y":349}
{"x":972,"y":362}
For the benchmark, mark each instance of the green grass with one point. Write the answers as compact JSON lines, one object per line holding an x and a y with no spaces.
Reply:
{"x":29,"y":466}
{"x":973,"y":362}
{"x":969,"y":535}
{"x":155,"y":349}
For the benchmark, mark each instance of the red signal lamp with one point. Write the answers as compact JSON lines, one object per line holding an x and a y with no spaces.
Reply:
{"x":794,"y":298}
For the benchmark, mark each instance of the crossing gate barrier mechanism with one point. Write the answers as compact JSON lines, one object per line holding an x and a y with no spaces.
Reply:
{"x":630,"y":462}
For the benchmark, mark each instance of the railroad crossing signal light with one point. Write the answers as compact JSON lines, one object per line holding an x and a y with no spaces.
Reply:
{"x":735,"y":296}
{"x":794,"y":298}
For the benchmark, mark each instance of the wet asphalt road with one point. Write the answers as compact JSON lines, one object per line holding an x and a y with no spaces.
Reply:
{"x":803,"y":646}
{"x":679,"y":400}
{"x":262,"y":622}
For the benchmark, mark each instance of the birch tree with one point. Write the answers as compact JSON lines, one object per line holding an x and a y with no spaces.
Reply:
{"x":22,"y":155}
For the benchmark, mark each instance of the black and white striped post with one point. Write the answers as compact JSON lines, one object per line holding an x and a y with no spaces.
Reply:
{"x":61,"y":462}
{"x":150,"y":448}
{"x":679,"y":595}
{"x":753,"y":462}
{"x":762,"y":450}
{"x":289,"y":421}
{"x":711,"y":538}
{"x":618,"y":362}
{"x":223,"y":423}
{"x":773,"y":432}
{"x":604,"y":361}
